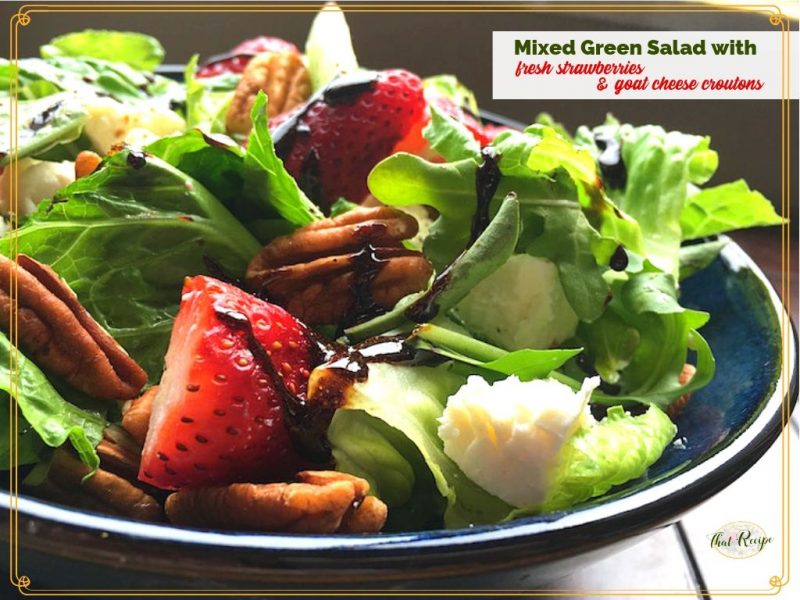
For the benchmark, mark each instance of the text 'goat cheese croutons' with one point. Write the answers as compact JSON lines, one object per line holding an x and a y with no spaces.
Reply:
{"x":507,"y":436}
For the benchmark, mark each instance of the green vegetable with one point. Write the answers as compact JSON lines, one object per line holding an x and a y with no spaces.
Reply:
{"x":43,"y":124}
{"x":85,"y":77}
{"x":450,"y":87}
{"x":367,"y":447}
{"x":410,"y":400}
{"x":253,"y":184}
{"x":450,"y":138}
{"x":724,"y":208}
{"x":329,"y":49}
{"x":45,"y":411}
{"x":660,"y":165}
{"x":205,"y":107}
{"x":603,"y":454}
{"x":124,"y":238}
{"x":140,"y":51}
{"x":526,"y":364}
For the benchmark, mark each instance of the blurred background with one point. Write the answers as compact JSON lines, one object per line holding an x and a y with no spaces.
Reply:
{"x":746,"y":133}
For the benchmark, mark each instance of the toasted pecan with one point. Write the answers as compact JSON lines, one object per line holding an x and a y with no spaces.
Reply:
{"x":316,"y":272}
{"x":284,"y":78}
{"x":136,"y":415}
{"x":320,"y":502}
{"x":58,"y":333}
{"x":684,"y":377}
{"x":103,"y":491}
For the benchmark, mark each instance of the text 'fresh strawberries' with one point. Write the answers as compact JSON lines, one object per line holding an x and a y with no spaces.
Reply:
{"x":236,"y":60}
{"x":340,"y":136}
{"x":219,"y":414}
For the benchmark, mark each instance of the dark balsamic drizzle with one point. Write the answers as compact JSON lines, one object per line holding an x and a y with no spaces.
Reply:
{"x":136,"y":159}
{"x":305,"y":424}
{"x":226,"y":56}
{"x":44,"y":117}
{"x":619,"y":260}
{"x":610,"y":160}
{"x":367,"y":264}
{"x":487,"y":180}
{"x":309,"y":179}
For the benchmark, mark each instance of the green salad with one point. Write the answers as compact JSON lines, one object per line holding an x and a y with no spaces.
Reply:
{"x":288,"y":292}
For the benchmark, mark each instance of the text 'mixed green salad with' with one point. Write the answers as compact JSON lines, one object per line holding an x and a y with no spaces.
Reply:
{"x":291,"y":293}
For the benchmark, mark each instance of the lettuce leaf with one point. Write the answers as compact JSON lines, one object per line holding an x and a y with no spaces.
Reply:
{"x":724,"y":208}
{"x":138,"y":50}
{"x":329,"y":48}
{"x":253,"y":184}
{"x":43,"y":124}
{"x":410,"y":400}
{"x":450,"y":138}
{"x":206,"y":108}
{"x":602,"y":454}
{"x":450,"y":87}
{"x":45,"y":412}
{"x":124,"y":238}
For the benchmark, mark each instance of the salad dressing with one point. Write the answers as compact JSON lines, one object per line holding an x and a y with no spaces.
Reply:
{"x":610,"y":161}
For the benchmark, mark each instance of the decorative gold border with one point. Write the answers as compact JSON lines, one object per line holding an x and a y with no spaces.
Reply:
{"x":776,"y":18}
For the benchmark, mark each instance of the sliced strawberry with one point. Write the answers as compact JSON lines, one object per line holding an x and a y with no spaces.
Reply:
{"x":236,"y":60}
{"x":336,"y":140}
{"x":219,"y":415}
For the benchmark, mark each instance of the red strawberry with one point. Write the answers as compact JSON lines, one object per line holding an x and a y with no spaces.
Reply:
{"x":219,"y":414}
{"x":339,"y":137}
{"x":236,"y":60}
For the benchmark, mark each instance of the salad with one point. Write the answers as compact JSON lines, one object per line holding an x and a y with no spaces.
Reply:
{"x":292,"y":293}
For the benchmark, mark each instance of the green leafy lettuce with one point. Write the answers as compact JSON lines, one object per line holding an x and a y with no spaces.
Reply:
{"x":420,"y":394}
{"x":605,"y":453}
{"x":46,"y":417}
{"x":140,"y":51}
{"x":125,"y":237}
{"x":206,"y":106}
{"x":253,"y":184}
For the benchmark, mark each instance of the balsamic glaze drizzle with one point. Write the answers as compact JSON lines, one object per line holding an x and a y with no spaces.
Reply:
{"x":619,"y":260}
{"x":305,"y":425}
{"x":44,"y":117}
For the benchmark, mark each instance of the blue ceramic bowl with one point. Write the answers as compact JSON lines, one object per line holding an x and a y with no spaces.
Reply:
{"x":727,"y":426}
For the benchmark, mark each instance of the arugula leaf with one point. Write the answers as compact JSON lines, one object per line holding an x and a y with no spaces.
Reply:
{"x":52,"y":418}
{"x":527,"y":364}
{"x":329,"y":48}
{"x":723,"y":208}
{"x":124,"y":238}
{"x":140,"y":51}
{"x":43,"y":124}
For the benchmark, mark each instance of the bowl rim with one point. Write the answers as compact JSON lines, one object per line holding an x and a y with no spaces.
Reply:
{"x":594,"y":525}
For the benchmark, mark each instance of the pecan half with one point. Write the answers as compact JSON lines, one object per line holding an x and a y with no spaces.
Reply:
{"x":684,"y":377}
{"x":119,"y":453}
{"x":321,"y":502}
{"x":103,"y":491}
{"x":323,"y":271}
{"x":58,"y":333}
{"x":136,"y":415}
{"x":284,"y":78}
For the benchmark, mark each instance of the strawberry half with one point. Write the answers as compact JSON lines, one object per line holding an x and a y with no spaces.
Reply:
{"x":331,"y":144}
{"x":236,"y":60}
{"x":220,"y":412}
